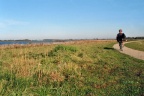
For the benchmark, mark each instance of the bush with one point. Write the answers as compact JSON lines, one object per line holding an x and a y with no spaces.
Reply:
{"x":65,"y":48}
{"x":62,"y":48}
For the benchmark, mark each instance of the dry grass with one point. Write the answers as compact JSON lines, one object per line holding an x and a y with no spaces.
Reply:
{"x":79,"y":68}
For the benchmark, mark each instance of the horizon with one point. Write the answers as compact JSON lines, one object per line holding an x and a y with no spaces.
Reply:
{"x":70,"y":19}
{"x":67,"y":38}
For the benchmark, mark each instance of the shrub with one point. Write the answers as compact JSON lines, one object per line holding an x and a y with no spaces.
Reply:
{"x":65,"y":48}
{"x":62,"y":48}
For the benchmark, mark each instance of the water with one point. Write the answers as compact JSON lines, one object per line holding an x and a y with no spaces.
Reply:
{"x":23,"y":42}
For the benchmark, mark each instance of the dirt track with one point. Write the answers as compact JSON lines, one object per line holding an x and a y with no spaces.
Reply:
{"x":134,"y":53}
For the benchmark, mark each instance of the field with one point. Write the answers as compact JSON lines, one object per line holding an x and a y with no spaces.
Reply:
{"x":136,"y":45}
{"x":82,"y":68}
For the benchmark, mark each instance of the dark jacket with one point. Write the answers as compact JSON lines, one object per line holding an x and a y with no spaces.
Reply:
{"x":120,"y":37}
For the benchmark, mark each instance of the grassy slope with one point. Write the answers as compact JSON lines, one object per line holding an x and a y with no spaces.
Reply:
{"x":87,"y":68}
{"x":136,"y":45}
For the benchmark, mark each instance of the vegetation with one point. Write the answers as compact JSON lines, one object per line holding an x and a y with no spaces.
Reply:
{"x":83,"y":68}
{"x":139,"y":45}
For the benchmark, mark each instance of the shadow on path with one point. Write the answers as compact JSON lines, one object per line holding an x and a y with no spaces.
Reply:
{"x":109,"y":48}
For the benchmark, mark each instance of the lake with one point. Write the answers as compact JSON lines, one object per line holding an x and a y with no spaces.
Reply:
{"x":23,"y":42}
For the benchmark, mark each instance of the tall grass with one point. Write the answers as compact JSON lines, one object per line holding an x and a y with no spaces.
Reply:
{"x":84,"y":68}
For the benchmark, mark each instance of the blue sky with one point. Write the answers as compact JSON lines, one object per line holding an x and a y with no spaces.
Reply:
{"x":70,"y":19}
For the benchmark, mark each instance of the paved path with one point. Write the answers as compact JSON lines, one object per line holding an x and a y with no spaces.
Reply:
{"x":134,"y":53}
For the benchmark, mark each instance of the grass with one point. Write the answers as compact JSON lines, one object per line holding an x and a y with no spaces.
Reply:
{"x":136,"y":45}
{"x":83,"y":68}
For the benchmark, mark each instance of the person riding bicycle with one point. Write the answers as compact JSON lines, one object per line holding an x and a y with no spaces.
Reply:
{"x":120,"y":38}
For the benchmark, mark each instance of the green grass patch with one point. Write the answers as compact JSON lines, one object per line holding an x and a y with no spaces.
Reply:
{"x":87,"y":68}
{"x":139,"y":45}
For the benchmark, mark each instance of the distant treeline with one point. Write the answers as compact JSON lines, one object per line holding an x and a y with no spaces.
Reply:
{"x":135,"y":37}
{"x":64,"y":40}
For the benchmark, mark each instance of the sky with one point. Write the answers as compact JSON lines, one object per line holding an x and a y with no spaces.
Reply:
{"x":70,"y":19}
